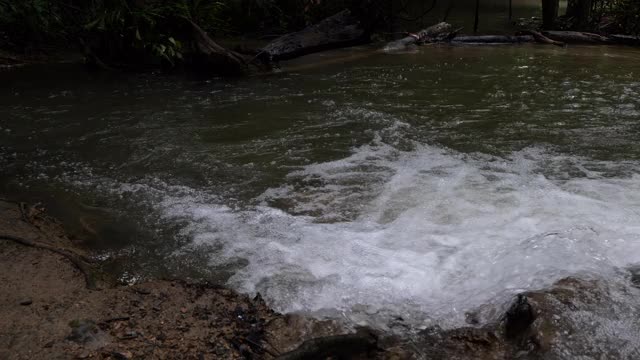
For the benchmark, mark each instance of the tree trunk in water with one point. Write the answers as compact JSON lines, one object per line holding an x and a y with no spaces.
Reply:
{"x":580,"y":11}
{"x":549,"y":13}
{"x":448,"y":11}
{"x":477,"y":17}
{"x":572,"y":8}
{"x":510,"y":10}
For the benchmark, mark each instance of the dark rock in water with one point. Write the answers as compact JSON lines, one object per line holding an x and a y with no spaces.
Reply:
{"x":348,"y":346}
{"x":518,"y":318}
{"x":635,"y":275}
{"x":462,"y":343}
{"x":572,"y":318}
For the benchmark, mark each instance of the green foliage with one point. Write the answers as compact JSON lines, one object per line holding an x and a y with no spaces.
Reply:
{"x":125,"y":29}
{"x":149,"y":31}
{"x":278,"y":16}
{"x":626,"y":14}
{"x":27,"y":23}
{"x":608,"y":16}
{"x":206,"y":13}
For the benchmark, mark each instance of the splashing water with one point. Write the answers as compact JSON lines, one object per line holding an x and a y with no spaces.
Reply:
{"x":442,"y":233}
{"x":419,"y":185}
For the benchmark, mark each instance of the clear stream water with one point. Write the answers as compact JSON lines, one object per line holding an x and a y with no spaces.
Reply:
{"x":421,"y":184}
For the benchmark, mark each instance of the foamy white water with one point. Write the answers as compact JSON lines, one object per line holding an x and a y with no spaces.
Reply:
{"x":426,"y":231}
{"x":280,"y":184}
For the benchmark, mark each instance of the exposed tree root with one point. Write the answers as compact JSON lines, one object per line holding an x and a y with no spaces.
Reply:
{"x":217,"y":57}
{"x":77,"y":260}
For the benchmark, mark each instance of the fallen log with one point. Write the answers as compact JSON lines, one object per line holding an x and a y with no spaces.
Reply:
{"x":493,"y":39}
{"x":576,"y":37}
{"x":625,"y":39}
{"x":437,"y":33}
{"x":215,"y":58}
{"x":340,"y":30}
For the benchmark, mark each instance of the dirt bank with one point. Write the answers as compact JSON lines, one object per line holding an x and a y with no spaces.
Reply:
{"x":48,"y":311}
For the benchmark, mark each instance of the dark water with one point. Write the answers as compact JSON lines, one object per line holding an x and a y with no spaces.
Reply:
{"x":422,"y":184}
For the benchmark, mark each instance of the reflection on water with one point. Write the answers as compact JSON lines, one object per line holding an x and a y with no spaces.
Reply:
{"x":423,"y":184}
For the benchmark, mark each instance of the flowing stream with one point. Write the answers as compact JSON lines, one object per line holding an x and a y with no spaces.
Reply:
{"x":422,"y":184}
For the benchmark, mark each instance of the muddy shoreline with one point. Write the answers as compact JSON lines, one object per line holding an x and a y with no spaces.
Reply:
{"x":54,"y":308}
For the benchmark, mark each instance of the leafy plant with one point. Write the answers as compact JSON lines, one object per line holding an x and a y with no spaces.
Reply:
{"x":30,"y":22}
{"x":626,"y":14}
{"x":127,"y":29}
{"x":207,"y":13}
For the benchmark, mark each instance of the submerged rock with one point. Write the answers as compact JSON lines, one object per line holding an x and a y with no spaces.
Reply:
{"x":574,"y":317}
{"x":519,"y":317}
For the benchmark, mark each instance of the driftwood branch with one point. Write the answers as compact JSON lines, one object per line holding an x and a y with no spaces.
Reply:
{"x":541,"y":38}
{"x":493,"y":39}
{"x":576,"y":37}
{"x":625,"y":39}
{"x":437,"y":33}
{"x":76,"y":259}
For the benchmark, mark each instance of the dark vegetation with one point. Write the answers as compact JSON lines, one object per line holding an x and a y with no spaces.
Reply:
{"x":600,"y":16}
{"x":152,"y":33}
{"x":148,"y":31}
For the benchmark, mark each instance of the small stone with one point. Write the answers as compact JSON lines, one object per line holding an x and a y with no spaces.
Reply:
{"x":142,"y":291}
{"x":183,"y":310}
{"x":122,"y":355}
{"x":244,"y":350}
{"x":84,"y":332}
{"x":83,"y":355}
{"x":26,"y":302}
{"x":129,"y":335}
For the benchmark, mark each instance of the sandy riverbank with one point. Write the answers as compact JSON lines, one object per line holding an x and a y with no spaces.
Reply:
{"x":52,"y":309}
